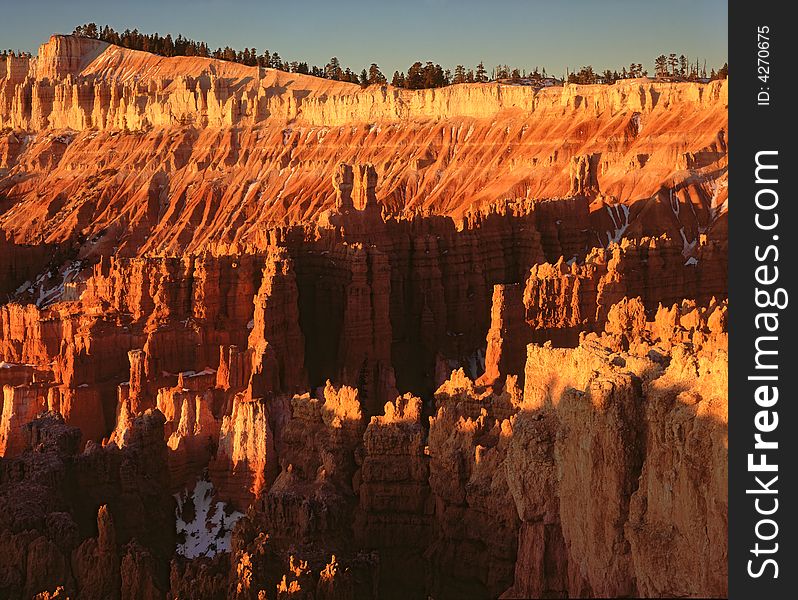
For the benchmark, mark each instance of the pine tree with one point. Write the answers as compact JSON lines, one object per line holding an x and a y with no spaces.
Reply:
{"x":169,"y":46}
{"x":415,"y":76}
{"x":375,"y":76}
{"x":332,"y":69}
{"x":481,"y":75}
{"x":673,"y":64}
{"x":364,"y":78}
{"x":459,"y":74}
{"x":661,"y":65}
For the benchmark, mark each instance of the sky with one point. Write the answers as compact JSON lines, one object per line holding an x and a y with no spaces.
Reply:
{"x":556,"y":34}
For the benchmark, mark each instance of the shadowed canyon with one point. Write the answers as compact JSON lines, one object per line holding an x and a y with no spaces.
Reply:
{"x":265,"y":335}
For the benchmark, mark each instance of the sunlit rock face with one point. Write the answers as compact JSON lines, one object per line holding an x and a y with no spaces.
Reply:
{"x":189,"y":152}
{"x":263,"y":332}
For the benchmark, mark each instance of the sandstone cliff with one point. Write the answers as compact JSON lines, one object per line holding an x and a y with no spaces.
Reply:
{"x":462,"y":343}
{"x":235,"y":151}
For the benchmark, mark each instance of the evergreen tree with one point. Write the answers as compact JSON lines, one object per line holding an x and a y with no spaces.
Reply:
{"x":375,"y":76}
{"x":426,"y":75}
{"x":415,"y":76}
{"x":459,"y":74}
{"x":398,"y":79}
{"x":661,"y":66}
{"x":332,"y":69}
{"x":673,"y":64}
{"x":169,"y":46}
{"x":683,"y":66}
{"x":481,"y":74}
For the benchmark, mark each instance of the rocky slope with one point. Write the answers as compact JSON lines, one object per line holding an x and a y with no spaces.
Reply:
{"x":193,"y":152}
{"x":270,"y":335}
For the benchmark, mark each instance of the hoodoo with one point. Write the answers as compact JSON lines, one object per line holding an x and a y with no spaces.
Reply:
{"x":466,"y":342}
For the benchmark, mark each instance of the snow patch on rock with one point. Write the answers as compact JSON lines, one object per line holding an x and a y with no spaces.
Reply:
{"x":204,"y":526}
{"x":620,"y":222}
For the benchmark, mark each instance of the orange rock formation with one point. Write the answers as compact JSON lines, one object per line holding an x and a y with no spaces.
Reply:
{"x":462,"y":343}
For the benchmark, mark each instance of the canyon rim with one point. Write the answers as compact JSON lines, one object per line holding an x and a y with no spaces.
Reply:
{"x":270,"y":335}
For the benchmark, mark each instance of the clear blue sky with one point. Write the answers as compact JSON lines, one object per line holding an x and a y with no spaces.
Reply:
{"x":525,"y":33}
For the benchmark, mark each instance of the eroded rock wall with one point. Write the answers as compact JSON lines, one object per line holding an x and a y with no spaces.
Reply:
{"x":138,"y":136}
{"x":317,"y":301}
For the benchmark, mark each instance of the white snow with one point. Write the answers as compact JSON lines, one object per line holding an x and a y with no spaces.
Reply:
{"x":205,"y":371}
{"x":476,"y":363}
{"x":687,"y":247}
{"x":49,"y":296}
{"x":674,"y":205}
{"x":468,"y":133}
{"x":622,"y":212}
{"x":251,"y":187}
{"x":638,"y":124}
{"x":65,"y":138}
{"x":716,"y":211}
{"x":210,"y":530}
